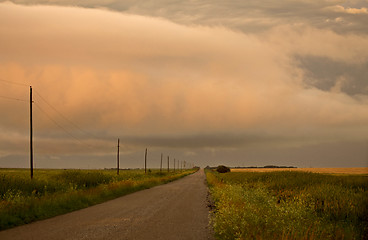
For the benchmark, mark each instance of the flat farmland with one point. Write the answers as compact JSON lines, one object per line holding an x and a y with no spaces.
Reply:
{"x":289,"y":204}
{"x":362,"y":170}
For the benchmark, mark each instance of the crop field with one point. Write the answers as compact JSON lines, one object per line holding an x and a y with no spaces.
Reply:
{"x":54,"y":192}
{"x":362,"y":170}
{"x":289,"y":205}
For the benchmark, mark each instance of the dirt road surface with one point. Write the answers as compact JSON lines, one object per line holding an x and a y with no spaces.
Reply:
{"x":177,"y":210}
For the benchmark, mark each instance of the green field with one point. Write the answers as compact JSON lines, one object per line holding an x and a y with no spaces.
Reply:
{"x":54,"y":192}
{"x":289,"y":205}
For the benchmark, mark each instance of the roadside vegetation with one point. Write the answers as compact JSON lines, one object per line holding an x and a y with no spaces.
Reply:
{"x":55,"y":192}
{"x":289,"y":205}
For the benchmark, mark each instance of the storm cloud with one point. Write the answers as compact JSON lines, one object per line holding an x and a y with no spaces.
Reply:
{"x":246,"y":16}
{"x":187,"y":77}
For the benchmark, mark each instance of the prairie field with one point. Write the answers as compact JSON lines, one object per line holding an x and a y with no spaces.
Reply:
{"x":361,"y":170}
{"x":55,"y":192}
{"x":289,"y":205}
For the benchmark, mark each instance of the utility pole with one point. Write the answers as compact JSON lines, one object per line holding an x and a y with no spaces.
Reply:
{"x":145,"y":162}
{"x":118,"y":167}
{"x":31,"y":130}
{"x":161,"y":164}
{"x":168,"y":164}
{"x":174,"y":164}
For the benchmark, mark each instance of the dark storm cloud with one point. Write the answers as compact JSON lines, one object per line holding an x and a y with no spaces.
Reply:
{"x":214,"y":140}
{"x":329,"y":75}
{"x":246,"y":16}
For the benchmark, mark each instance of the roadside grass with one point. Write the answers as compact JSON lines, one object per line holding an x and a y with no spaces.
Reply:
{"x":55,"y":192}
{"x":289,"y":205}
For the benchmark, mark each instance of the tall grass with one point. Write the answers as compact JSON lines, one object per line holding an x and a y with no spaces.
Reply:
{"x":54,"y":192}
{"x":289,"y":205}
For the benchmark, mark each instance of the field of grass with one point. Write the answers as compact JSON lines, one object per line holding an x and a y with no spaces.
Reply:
{"x":55,"y":192}
{"x":289,"y":205}
{"x":362,"y":170}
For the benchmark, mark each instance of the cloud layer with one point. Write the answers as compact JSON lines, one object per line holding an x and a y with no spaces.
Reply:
{"x":247,"y":16}
{"x":210,"y":79}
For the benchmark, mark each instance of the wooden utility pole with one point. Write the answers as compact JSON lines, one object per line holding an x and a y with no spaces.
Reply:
{"x":118,"y":167}
{"x":31,"y":130}
{"x":174,"y":164}
{"x":168,"y":164}
{"x":161,"y":164}
{"x":145,"y":162}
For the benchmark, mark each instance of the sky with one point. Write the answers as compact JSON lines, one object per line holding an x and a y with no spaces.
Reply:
{"x":239,"y":83}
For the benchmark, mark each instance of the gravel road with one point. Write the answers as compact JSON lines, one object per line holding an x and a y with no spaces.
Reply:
{"x":177,"y":210}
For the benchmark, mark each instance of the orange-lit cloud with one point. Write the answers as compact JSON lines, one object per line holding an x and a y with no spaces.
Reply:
{"x":155,"y":81}
{"x":349,"y":10}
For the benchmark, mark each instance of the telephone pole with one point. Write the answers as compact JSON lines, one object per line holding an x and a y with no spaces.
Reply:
{"x":145,"y":162}
{"x":168,"y":164}
{"x":118,"y":167}
{"x":161,"y":164}
{"x":31,"y":130}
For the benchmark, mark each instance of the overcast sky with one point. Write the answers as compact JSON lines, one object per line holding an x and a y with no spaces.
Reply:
{"x":240,"y":83}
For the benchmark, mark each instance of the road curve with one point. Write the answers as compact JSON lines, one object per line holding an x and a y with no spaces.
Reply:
{"x":177,"y":210}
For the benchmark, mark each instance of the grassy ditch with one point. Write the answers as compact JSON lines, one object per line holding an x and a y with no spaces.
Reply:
{"x":289,"y":205}
{"x":55,"y":192}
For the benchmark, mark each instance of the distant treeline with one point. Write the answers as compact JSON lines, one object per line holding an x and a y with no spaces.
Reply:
{"x":267,"y":166}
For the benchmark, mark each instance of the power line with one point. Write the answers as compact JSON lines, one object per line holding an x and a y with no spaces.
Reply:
{"x":61,"y":127}
{"x":63,"y":116}
{"x":13,"y":82}
{"x":47,"y":115}
{"x":16,"y":99}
